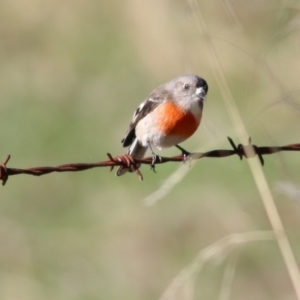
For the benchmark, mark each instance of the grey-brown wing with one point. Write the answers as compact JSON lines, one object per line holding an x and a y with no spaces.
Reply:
{"x":154,"y":99}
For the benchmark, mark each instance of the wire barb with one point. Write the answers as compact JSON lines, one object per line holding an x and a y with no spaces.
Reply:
{"x":127,"y":161}
{"x":247,"y":151}
{"x":3,"y":170}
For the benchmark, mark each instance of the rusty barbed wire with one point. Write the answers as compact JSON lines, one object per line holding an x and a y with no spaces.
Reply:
{"x":128,"y":161}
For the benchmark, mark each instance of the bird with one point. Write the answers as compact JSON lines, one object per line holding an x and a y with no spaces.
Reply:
{"x":170,"y":114}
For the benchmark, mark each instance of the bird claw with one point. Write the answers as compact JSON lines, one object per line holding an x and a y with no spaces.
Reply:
{"x":154,"y":158}
{"x":186,"y":154}
{"x":187,"y":159}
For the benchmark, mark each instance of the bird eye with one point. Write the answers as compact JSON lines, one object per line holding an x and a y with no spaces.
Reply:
{"x":186,"y":86}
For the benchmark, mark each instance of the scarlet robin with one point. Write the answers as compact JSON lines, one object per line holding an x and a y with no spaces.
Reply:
{"x":169,"y":116}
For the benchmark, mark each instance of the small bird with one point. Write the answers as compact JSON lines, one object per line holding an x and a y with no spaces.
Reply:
{"x":169,"y":116}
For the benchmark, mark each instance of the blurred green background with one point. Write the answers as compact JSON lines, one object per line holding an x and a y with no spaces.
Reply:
{"x":72,"y":73}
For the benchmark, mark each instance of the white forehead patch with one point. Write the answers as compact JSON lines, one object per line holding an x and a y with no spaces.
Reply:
{"x":200,"y":90}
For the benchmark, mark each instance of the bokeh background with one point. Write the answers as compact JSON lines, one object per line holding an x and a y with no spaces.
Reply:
{"x":71,"y":75}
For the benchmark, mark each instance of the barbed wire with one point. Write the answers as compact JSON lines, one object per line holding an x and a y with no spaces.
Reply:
{"x":128,"y":161}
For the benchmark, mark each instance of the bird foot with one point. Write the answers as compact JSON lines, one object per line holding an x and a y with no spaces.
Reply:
{"x":155,"y":157}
